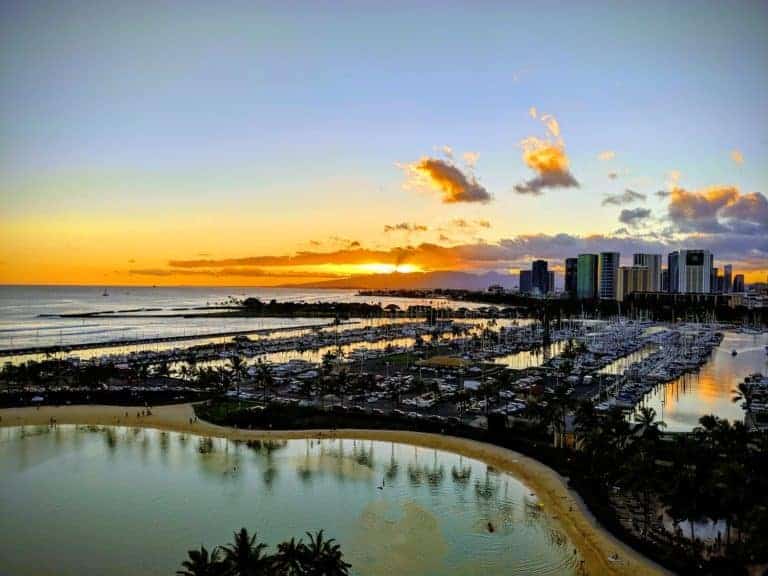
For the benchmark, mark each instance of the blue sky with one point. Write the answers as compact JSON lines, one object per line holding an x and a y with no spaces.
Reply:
{"x":123,"y":109}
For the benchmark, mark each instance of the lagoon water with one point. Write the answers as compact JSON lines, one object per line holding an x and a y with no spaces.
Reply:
{"x":112,"y":500}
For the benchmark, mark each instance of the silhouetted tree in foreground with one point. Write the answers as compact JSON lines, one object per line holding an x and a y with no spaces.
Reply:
{"x":244,"y":556}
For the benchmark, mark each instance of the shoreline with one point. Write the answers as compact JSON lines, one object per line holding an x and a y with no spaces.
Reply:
{"x":595,"y":544}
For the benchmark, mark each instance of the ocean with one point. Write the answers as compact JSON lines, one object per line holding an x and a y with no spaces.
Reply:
{"x":28,"y":313}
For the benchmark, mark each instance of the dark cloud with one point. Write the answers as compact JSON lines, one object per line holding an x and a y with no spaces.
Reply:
{"x":536,"y":186}
{"x":626,"y":197}
{"x":405,"y":227}
{"x":613,"y":175}
{"x":446,"y":178}
{"x":634,"y":217}
{"x":718,"y":210}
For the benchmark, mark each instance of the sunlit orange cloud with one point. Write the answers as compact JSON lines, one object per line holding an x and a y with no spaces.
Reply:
{"x":548,"y":159}
{"x":446,"y":178}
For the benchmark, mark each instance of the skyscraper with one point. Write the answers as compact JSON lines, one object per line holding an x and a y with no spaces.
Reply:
{"x":571,"y":276}
{"x":713,"y":275}
{"x":608,"y":275}
{"x":727,"y":278}
{"x":653,"y":263}
{"x":525,"y":281}
{"x":738,"y":283}
{"x":665,"y":280}
{"x":586,"y":284}
{"x":633,"y":279}
{"x":551,"y":281}
{"x":673,"y":280}
{"x":539,"y":277}
{"x":694,"y":271}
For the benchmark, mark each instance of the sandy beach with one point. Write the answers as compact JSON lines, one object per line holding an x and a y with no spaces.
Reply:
{"x":601,"y":551}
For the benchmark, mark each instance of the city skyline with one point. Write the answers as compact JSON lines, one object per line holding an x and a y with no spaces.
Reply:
{"x":270,"y":145}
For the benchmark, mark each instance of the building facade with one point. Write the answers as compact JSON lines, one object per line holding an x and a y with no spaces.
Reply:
{"x":525,"y":281}
{"x":653,"y":263}
{"x":539,"y":277}
{"x":571,"y":276}
{"x":694,"y":271}
{"x":633,"y":279}
{"x":673,"y":261}
{"x":586,"y":283}
{"x":608,"y":275}
{"x":738,"y":283}
{"x":727,"y":278}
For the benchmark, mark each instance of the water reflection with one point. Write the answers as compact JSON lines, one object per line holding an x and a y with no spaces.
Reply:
{"x":683,"y":401}
{"x":445,"y":515}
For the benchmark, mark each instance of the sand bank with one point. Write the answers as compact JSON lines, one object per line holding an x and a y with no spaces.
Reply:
{"x":602,"y":552}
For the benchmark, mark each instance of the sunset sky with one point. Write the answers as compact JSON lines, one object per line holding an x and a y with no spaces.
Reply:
{"x":260,"y":143}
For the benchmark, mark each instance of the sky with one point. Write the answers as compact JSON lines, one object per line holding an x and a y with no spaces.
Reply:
{"x":263,"y":143}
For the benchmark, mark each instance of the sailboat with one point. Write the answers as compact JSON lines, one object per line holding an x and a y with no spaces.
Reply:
{"x":105,"y":293}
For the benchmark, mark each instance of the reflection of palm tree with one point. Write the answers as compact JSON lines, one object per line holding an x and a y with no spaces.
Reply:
{"x":200,"y":563}
{"x":487,"y":488}
{"x":244,"y":556}
{"x":392,"y":468}
{"x":436,"y":473}
{"x":461,"y":474}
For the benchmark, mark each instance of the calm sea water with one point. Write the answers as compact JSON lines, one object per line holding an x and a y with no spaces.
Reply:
{"x":21,"y":307}
{"x":87,"y":500}
{"x":710,"y":391}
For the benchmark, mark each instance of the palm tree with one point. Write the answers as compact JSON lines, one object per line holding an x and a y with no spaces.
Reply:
{"x":289,"y":560}
{"x":745,"y":393}
{"x":324,"y":557}
{"x":244,"y":557}
{"x":647,"y":420}
{"x":200,"y":563}
{"x":265,"y":376}
{"x":236,"y":369}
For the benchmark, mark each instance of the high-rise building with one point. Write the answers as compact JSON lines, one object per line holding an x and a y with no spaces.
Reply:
{"x":665,"y":280}
{"x":586,"y":284}
{"x":653,"y":263}
{"x":608,"y":275}
{"x":738,"y":283}
{"x":633,"y":279}
{"x":694,"y":271}
{"x":727,"y":278}
{"x":539,"y":277}
{"x":713,"y":279}
{"x":525,"y":281}
{"x":551,"y":281}
{"x":571,"y":276}
{"x":673,"y":282}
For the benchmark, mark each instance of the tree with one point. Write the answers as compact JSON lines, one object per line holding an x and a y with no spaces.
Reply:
{"x":266,"y":379}
{"x":323,"y":557}
{"x":244,"y":557}
{"x":200,"y":563}
{"x":289,"y":560}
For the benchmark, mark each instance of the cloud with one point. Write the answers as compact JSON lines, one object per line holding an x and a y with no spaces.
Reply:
{"x":737,"y":156}
{"x":745,"y":251}
{"x":613,"y":175}
{"x":550,"y":162}
{"x":532,"y":112}
{"x":222,"y":272}
{"x":634,"y":217}
{"x":718,"y":209}
{"x":662,"y":193}
{"x":547,"y":158}
{"x":447,"y":151}
{"x":626,"y":197}
{"x":606,"y":155}
{"x":553,"y":127}
{"x":471,"y":158}
{"x":405,"y":227}
{"x":446,"y":178}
